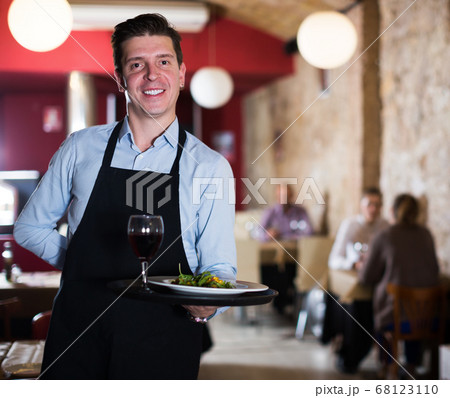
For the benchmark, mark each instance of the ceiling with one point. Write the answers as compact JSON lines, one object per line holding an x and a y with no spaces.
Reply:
{"x":280,"y":18}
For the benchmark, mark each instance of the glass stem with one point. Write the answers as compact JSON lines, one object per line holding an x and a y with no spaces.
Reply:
{"x":144,"y":273}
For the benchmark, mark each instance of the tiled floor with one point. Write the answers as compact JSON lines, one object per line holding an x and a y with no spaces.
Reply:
{"x":269,"y":350}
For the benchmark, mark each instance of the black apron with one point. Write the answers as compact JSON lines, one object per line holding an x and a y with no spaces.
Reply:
{"x":132,"y":339}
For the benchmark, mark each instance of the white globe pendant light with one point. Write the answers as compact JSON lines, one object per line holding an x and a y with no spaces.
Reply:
{"x":40,"y":25}
{"x":211,"y":87}
{"x":327,"y":39}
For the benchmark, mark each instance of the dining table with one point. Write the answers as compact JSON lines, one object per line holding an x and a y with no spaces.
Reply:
{"x":278,"y":252}
{"x":345,"y":285}
{"x":35,"y":290}
{"x":21,"y":359}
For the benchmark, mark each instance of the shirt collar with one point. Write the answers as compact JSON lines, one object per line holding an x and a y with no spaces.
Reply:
{"x":170,"y":135}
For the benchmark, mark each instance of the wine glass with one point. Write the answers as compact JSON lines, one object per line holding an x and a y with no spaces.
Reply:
{"x":361,"y":248}
{"x":145,"y":234}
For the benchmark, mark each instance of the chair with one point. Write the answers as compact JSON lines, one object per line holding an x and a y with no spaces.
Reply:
{"x":424,"y":311}
{"x":7,"y":308}
{"x":313,"y":252}
{"x":40,"y":324}
{"x":248,"y":265}
{"x":247,"y":256}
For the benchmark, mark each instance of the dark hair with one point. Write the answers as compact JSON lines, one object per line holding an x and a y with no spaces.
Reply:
{"x":372,"y":191}
{"x":142,"y":25}
{"x":406,"y":209}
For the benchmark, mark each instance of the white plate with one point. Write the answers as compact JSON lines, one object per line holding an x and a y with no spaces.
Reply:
{"x":241,"y":287}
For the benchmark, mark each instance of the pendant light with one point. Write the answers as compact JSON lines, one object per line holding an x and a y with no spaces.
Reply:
{"x":40,"y":25}
{"x":327,"y":39}
{"x":211,"y":86}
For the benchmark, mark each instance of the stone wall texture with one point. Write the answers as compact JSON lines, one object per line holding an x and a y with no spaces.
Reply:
{"x":332,"y":139}
{"x":415,"y":92}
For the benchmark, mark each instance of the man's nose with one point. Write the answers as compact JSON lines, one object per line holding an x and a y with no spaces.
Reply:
{"x":151,"y":73}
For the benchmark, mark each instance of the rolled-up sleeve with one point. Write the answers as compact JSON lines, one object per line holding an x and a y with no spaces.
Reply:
{"x":35,"y":228}
{"x":338,"y":256}
{"x":216,"y":248}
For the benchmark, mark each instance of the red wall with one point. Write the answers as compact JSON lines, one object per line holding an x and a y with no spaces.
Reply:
{"x":27,"y":146}
{"x":238,"y":48}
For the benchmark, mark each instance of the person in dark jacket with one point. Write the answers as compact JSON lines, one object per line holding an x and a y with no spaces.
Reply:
{"x":403,"y":254}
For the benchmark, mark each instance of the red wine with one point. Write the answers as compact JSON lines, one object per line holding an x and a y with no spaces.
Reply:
{"x":145,"y":245}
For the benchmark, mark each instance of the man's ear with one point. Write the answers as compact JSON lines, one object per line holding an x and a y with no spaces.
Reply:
{"x":182,"y":74}
{"x":121,"y":84}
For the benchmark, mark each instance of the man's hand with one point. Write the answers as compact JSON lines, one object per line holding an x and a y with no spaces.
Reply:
{"x":358,"y":265}
{"x":201,"y":311}
{"x":273,"y":232}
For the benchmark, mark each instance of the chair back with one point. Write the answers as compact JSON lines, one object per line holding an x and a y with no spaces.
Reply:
{"x":40,"y":324}
{"x":7,"y":308}
{"x":312,"y":255}
{"x":248,"y":264}
{"x":422,"y":308}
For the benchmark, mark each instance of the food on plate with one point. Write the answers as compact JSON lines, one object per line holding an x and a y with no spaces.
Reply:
{"x":205,"y":279}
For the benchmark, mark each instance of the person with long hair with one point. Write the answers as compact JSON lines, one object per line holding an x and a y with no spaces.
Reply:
{"x":403,"y":254}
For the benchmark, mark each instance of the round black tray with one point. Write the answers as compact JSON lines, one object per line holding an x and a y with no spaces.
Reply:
{"x":134,"y":289}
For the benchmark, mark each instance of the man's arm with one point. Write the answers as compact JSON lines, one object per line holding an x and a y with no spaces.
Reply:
{"x":35,"y":228}
{"x":266,"y":231}
{"x":216,"y":248}
{"x":338,"y":256}
{"x":308,"y":228}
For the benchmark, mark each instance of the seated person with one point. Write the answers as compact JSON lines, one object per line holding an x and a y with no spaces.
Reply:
{"x":284,"y":221}
{"x":353,"y":342}
{"x":403,"y":254}
{"x":357,"y":229}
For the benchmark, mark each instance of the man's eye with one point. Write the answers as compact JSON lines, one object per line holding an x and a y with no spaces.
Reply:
{"x":135,"y":65}
{"x":164,"y":62}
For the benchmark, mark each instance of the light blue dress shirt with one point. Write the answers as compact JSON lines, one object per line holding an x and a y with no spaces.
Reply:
{"x":206,"y":195}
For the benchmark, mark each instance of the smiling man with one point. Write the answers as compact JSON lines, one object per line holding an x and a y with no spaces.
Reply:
{"x":88,"y":177}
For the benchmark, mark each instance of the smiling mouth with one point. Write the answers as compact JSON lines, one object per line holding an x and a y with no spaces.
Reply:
{"x":153,"y":92}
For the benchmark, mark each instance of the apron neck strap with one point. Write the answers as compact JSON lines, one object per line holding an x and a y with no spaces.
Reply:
{"x":181,"y":141}
{"x":109,"y":152}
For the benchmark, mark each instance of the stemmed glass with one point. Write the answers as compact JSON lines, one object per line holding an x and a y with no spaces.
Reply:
{"x":361,"y":248}
{"x":145,"y":234}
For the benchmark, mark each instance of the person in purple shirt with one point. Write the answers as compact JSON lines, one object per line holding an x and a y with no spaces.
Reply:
{"x":284,"y":221}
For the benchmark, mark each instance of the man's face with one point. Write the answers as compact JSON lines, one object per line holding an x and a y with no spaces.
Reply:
{"x":151,"y":77}
{"x":285,"y":194}
{"x":371,"y":207}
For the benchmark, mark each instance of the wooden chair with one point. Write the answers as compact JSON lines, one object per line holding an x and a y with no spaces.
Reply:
{"x":424,"y":310}
{"x":7,"y":308}
{"x":40,"y":324}
{"x":312,"y":255}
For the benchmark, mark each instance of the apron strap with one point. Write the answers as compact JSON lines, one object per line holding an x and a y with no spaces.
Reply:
{"x":109,"y":152}
{"x":181,"y":140}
